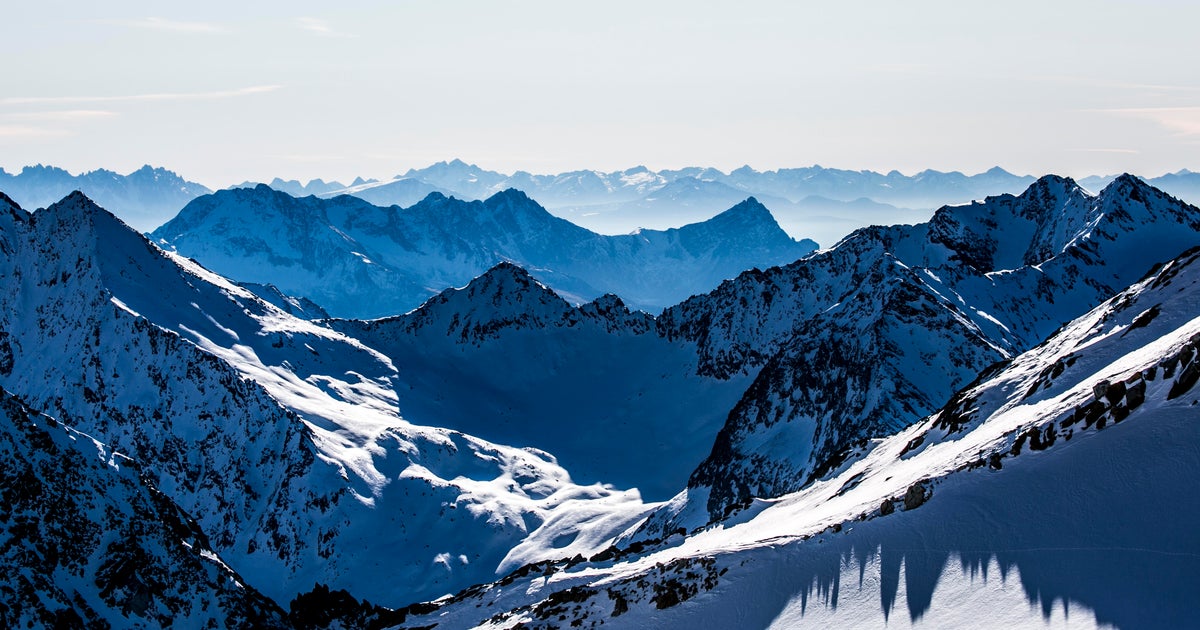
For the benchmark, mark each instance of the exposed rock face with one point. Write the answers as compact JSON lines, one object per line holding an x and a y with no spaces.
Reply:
{"x":860,"y":340}
{"x":90,"y":542}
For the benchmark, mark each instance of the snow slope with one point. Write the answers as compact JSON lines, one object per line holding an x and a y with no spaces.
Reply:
{"x":358,"y":260}
{"x":281,"y":437}
{"x":1051,"y":492}
{"x":864,"y":338}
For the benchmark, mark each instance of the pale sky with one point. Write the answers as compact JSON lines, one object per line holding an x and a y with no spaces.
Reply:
{"x":223,"y":92}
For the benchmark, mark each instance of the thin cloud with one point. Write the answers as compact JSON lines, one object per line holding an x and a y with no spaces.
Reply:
{"x":320,"y":27}
{"x":1114,"y":85}
{"x":27,"y":131}
{"x":309,"y":158}
{"x":1125,"y":151}
{"x":164,"y":96}
{"x":163,"y":24}
{"x":1182,"y":120}
{"x":72,"y":115}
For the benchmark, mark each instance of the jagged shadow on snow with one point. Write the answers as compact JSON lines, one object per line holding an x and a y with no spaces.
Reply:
{"x":1105,"y":529}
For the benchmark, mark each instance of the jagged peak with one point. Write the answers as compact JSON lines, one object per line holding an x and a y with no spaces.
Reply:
{"x":434,"y":197}
{"x":1052,"y":182}
{"x":609,"y":306}
{"x":503,"y":278}
{"x":74,"y":203}
{"x":610,"y":311}
{"x":1127,"y":185}
{"x":506,"y":296}
{"x":510,"y":195}
{"x":152,"y":170}
{"x":507,"y":268}
{"x":40,"y":168}
{"x":747,"y":212}
{"x":77,"y":207}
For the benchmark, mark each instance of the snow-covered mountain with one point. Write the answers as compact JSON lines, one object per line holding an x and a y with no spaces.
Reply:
{"x":1052,"y":491}
{"x":282,"y":438}
{"x":360,"y":260}
{"x":861,"y":340}
{"x":508,"y":360}
{"x":88,"y":541}
{"x":145,"y":198}
{"x":799,"y":404}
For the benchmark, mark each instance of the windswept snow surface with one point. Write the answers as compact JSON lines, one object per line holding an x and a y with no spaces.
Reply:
{"x":1054,"y":492}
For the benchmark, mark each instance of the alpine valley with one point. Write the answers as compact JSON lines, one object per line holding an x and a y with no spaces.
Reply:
{"x":271,"y":412}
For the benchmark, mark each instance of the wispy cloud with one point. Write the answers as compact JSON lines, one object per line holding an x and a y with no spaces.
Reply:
{"x":28,"y":131}
{"x":320,"y":27}
{"x":1125,"y":151}
{"x":71,"y":115}
{"x":163,"y":24}
{"x":1115,"y":85}
{"x":309,"y":158}
{"x":1182,"y":120}
{"x":159,"y":96}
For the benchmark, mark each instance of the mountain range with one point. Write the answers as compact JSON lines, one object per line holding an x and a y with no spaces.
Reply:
{"x":360,"y":260}
{"x":823,"y":204}
{"x":145,"y":198}
{"x":1046,"y":493}
{"x":985,"y":416}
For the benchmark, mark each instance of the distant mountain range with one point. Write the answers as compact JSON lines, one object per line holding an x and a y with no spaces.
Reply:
{"x":144,"y":198}
{"x":360,"y":260}
{"x":823,"y":204}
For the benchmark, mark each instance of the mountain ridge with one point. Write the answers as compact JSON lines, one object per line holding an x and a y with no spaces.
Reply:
{"x":355,"y":259}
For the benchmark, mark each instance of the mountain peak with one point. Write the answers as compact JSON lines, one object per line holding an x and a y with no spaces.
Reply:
{"x":1050,"y":190}
{"x":746,"y":212}
{"x":74,"y":203}
{"x":1125,"y":184}
{"x":504,"y":297}
{"x":510,"y":195}
{"x":506,"y":270}
{"x":434,"y":196}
